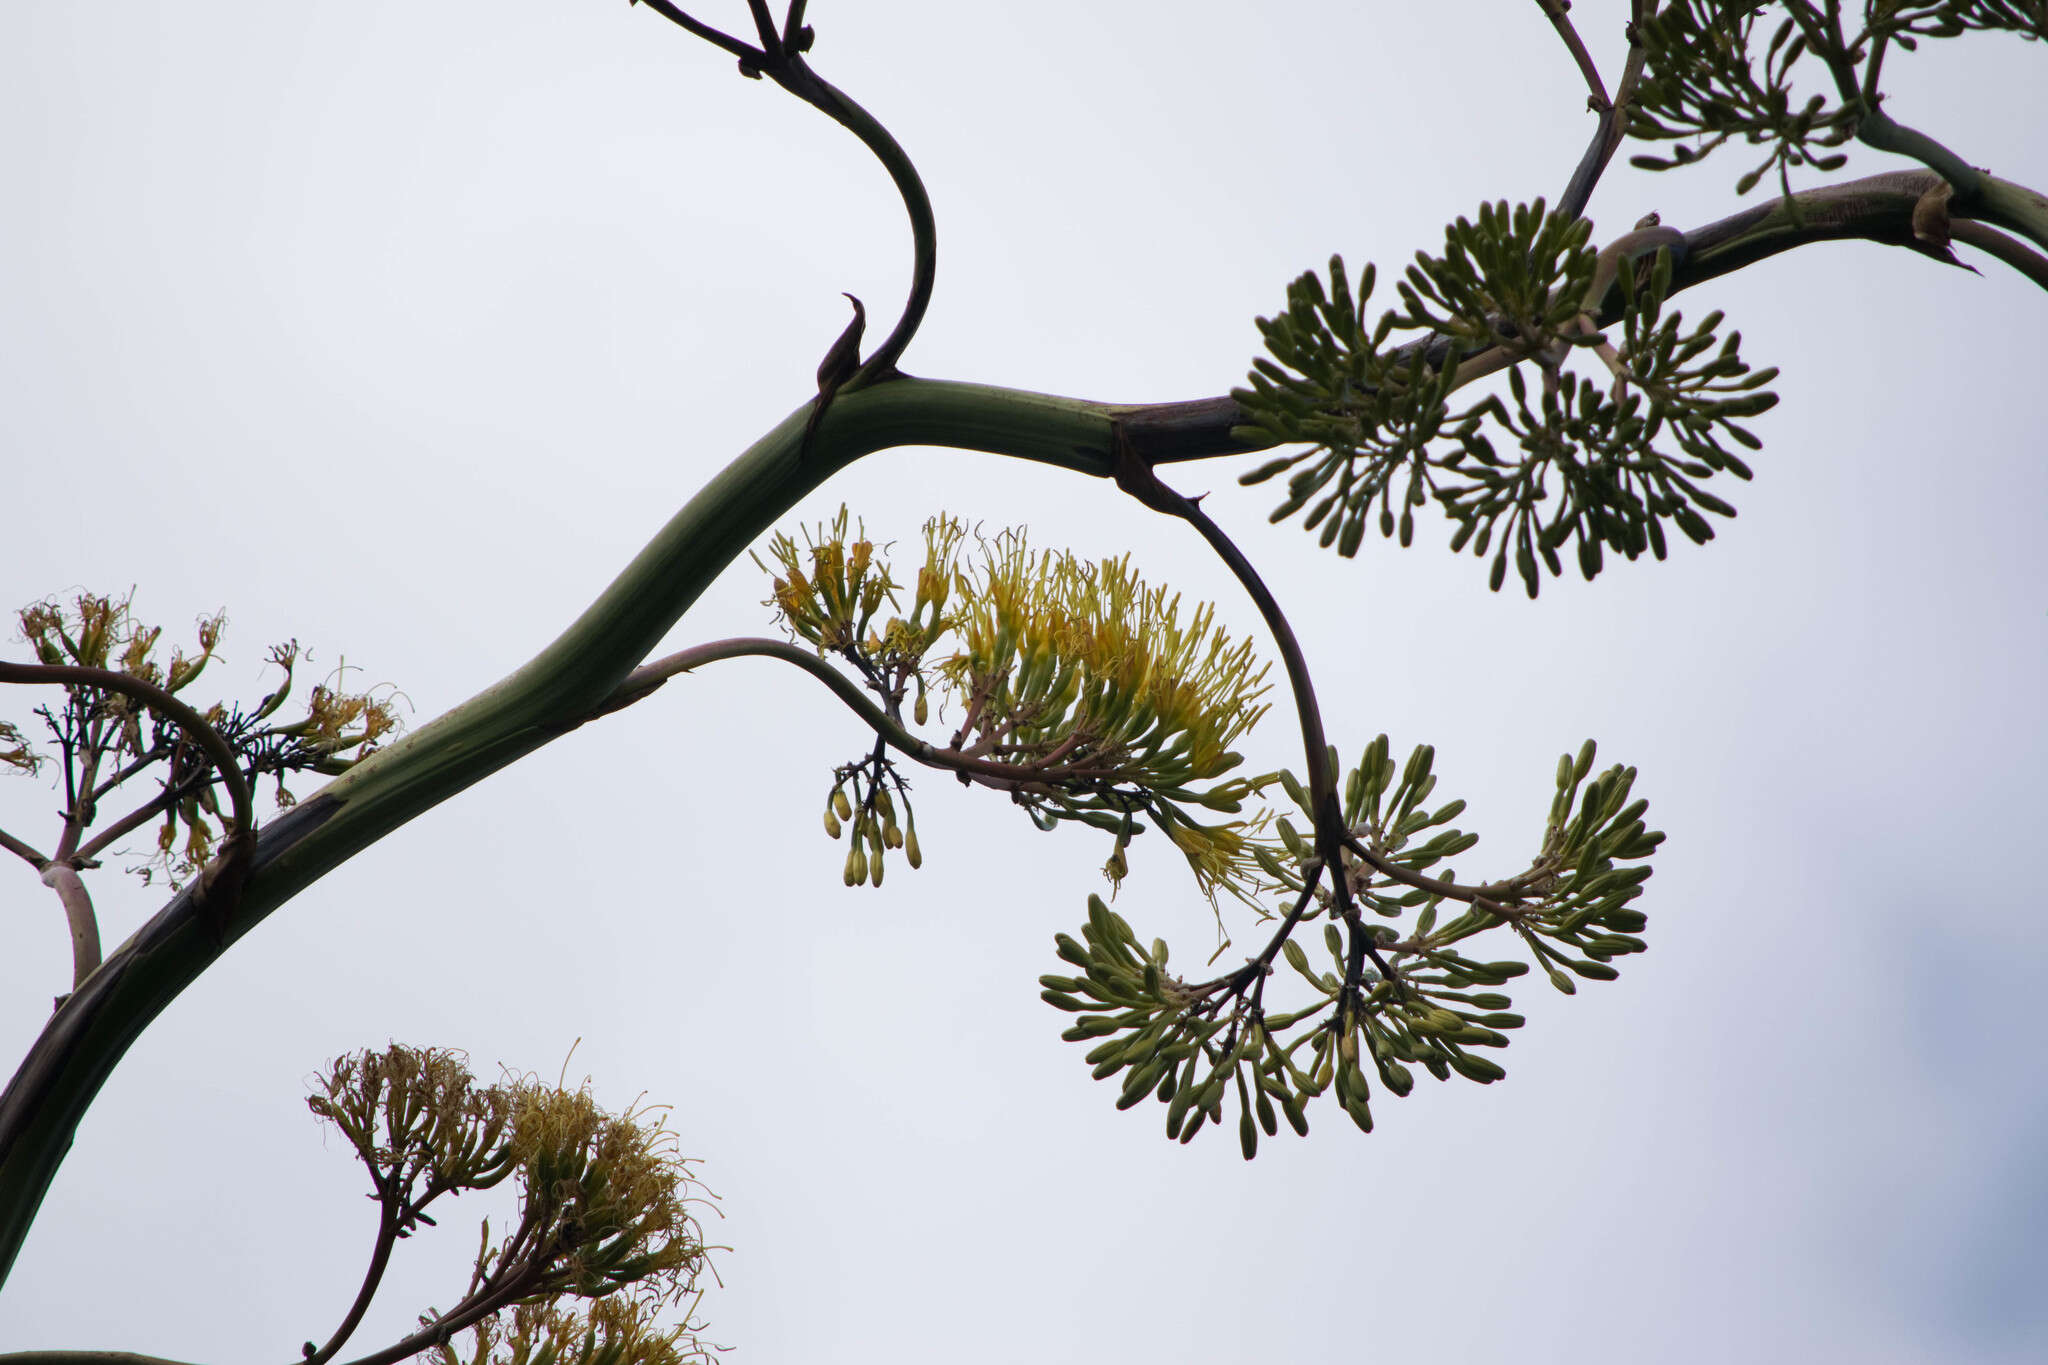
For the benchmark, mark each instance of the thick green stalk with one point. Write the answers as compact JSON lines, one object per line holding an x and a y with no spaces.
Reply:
{"x":546,"y":698}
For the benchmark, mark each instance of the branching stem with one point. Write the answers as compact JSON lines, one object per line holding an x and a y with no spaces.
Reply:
{"x":1607,"y":138}
{"x":187,"y":719}
{"x":389,"y":1221}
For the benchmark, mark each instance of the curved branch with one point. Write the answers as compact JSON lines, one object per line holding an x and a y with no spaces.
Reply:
{"x":1136,"y":478}
{"x":1877,"y":208}
{"x":1879,"y":130}
{"x":797,"y":78}
{"x":645,"y":680}
{"x":63,"y":879}
{"x":780,"y":58}
{"x":373,"y":1277}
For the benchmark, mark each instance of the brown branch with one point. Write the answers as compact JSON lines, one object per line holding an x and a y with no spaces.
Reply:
{"x":1559,"y":14}
{"x":524,"y":1285}
{"x":25,"y":852}
{"x":702,"y":30}
{"x":780,"y":58}
{"x":1490,"y":897}
{"x":389,"y":1221}
{"x":643,"y":681}
{"x":1607,"y":138}
{"x":1136,"y":478}
{"x":130,"y":822}
{"x":1255,"y":969}
{"x":1134,"y":474}
{"x":63,"y":879}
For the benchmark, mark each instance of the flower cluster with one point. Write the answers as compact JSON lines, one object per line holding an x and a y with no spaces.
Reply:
{"x":1082,"y":691}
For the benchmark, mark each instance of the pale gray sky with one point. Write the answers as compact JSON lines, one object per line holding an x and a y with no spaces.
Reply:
{"x":398,"y":327}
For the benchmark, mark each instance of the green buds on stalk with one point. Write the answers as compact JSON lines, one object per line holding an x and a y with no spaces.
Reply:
{"x":1396,"y":987}
{"x":1597,"y":461}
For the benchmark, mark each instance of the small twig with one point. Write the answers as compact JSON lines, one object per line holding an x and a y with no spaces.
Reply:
{"x":148,"y":757}
{"x":81,"y":812}
{"x":25,"y":852}
{"x":1255,"y":970}
{"x":1872,"y":68}
{"x":1494,"y":893}
{"x":134,"y":820}
{"x":1559,"y":14}
{"x":523,"y":1284}
{"x":764,"y":25}
{"x":1878,"y":129}
{"x":793,"y":26}
{"x":1607,"y":138}
{"x":701,"y":30}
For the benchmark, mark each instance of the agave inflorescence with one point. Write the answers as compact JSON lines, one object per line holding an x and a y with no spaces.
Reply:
{"x":605,"y":1240}
{"x":1082,"y":691}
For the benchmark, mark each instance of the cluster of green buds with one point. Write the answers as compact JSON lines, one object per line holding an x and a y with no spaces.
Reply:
{"x":1583,"y":459}
{"x":1571,"y":907}
{"x":605,"y":1238}
{"x":1395,"y":991}
{"x":1601,"y":439}
{"x":1703,"y":85}
{"x":1083,"y":692}
{"x":871,"y":811}
{"x":1518,"y":276}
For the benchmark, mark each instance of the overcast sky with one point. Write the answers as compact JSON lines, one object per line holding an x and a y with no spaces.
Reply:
{"x":398,"y":327}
